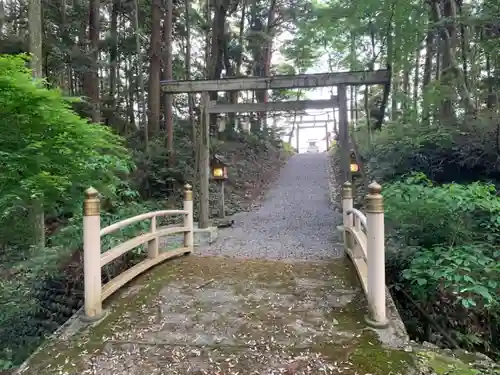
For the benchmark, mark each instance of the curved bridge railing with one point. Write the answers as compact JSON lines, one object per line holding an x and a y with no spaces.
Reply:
{"x":364,"y":242}
{"x":94,"y":260}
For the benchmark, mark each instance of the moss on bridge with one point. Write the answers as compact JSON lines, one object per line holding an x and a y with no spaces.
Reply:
{"x":227,"y":316}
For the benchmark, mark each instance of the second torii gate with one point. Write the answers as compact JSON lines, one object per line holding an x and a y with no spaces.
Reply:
{"x":339,"y":79}
{"x":313,"y":124}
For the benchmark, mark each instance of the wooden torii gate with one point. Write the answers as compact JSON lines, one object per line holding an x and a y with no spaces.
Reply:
{"x":339,"y":79}
{"x":312,"y":124}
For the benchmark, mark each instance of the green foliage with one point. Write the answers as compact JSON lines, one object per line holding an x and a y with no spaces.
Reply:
{"x":454,"y":226}
{"x":17,"y":327}
{"x":447,"y":214}
{"x":288,"y":148}
{"x":444,"y":219}
{"x":464,"y":151}
{"x":403,"y":147}
{"x":46,"y":149}
{"x":153,"y":174}
{"x":470,"y":272}
{"x":449,"y":262}
{"x":5,"y":364}
{"x":50,"y":154}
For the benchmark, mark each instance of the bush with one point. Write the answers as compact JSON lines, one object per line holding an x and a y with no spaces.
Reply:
{"x":469,"y":272}
{"x":154,"y":177}
{"x":51,"y":151}
{"x":48,"y":152}
{"x":50,"y":155}
{"x":288,"y":149}
{"x":461,"y":152}
{"x":449,"y":264}
{"x":427,"y":214}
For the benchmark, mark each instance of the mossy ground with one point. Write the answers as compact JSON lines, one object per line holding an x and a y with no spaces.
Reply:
{"x":443,"y":365}
{"x":213,"y":315}
{"x":445,"y":362}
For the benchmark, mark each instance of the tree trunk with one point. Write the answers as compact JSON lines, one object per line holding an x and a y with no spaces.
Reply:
{"x":93,"y":80}
{"x":35,"y":46}
{"x":426,"y":79}
{"x":392,"y":56}
{"x":366,"y":105}
{"x":167,"y":75}
{"x":267,"y":56}
{"x":464,"y":44}
{"x":35,"y":36}
{"x":406,"y":88}
{"x":204,"y":163}
{"x":218,"y":32}
{"x":437,"y":47}
{"x":154,"y":69}
{"x":490,"y":99}
{"x":416,"y":77}
{"x":239,"y":60}
{"x":215,"y":65}
{"x":139,"y":77}
{"x":2,"y":17}
{"x":113,"y":61}
{"x":453,"y":68}
{"x":294,"y":122}
{"x":208,"y":20}
{"x":131,"y":89}
{"x":447,"y":48}
{"x":229,"y":126}
{"x":191,"y":104}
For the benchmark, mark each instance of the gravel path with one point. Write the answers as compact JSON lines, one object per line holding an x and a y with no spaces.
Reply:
{"x":294,"y":221}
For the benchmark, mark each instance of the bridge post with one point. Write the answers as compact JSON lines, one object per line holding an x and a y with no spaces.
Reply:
{"x":347,"y":204}
{"x":153,"y":248}
{"x":92,"y":254}
{"x":188,"y":219}
{"x":376,"y":255}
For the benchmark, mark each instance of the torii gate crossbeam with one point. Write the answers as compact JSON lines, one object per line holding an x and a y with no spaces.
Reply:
{"x":373,"y":77}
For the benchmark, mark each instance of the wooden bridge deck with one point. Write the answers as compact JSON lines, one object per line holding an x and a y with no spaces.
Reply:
{"x":216,"y":315}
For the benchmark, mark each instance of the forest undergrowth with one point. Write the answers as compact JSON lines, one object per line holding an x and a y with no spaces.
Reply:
{"x":443,"y":218}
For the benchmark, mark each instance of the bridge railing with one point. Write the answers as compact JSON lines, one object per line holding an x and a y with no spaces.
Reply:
{"x":95,"y":293}
{"x":364,"y":242}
